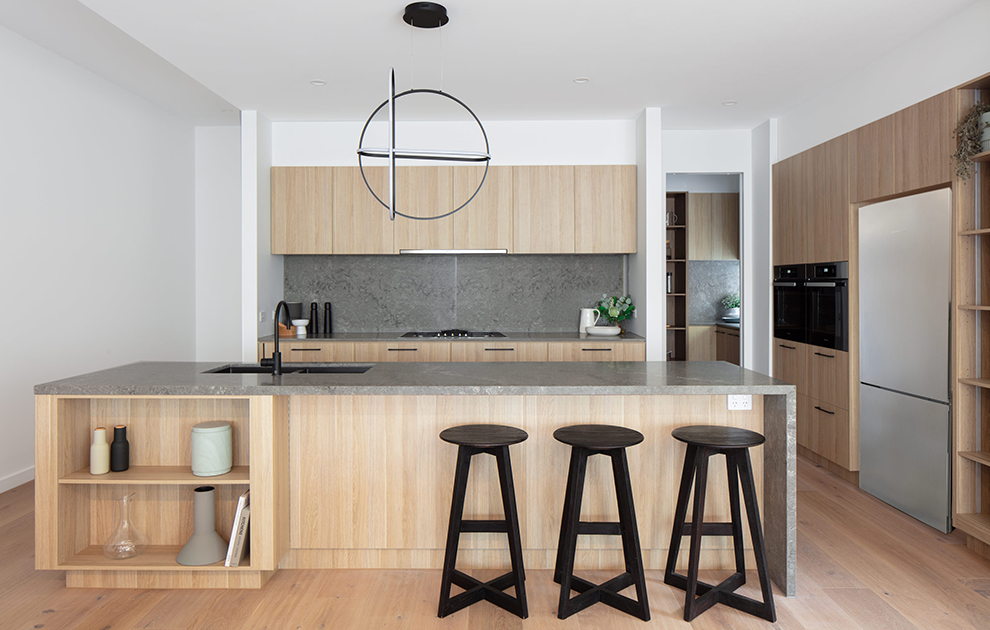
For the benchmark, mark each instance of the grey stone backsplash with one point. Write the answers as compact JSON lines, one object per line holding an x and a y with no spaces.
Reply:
{"x":528,"y":293}
{"x":708,"y":282}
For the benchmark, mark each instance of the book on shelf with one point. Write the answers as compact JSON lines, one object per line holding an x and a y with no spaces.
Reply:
{"x":237,"y":546}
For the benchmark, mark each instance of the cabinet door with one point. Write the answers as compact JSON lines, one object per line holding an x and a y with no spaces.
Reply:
{"x":924,"y":142}
{"x":790,"y":363}
{"x":497,"y":351}
{"x":733,"y":348}
{"x":789,"y":241}
{"x":829,"y":230}
{"x":702,"y":343}
{"x":699,"y":221}
{"x":361,"y":224}
{"x":725,"y":226}
{"x":385,"y":351}
{"x":313,"y":351}
{"x":486,"y":222}
{"x":301,"y":210}
{"x":828,"y":376}
{"x":605,"y":209}
{"x":543,"y":209}
{"x":871,"y":160}
{"x":424,"y":191}
{"x":824,"y":429}
{"x":596,"y":351}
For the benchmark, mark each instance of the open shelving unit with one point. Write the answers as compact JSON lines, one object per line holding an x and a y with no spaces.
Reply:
{"x":677,"y":269}
{"x":78,"y":511}
{"x":971,"y":340}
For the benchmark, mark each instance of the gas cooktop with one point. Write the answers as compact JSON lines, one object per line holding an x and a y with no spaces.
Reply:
{"x":454,"y":332}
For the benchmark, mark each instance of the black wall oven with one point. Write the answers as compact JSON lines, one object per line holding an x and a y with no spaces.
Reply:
{"x":790,"y":303}
{"x":811,"y":304}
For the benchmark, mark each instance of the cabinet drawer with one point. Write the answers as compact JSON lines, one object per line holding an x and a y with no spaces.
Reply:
{"x":313,"y":351}
{"x":824,"y":429}
{"x":497,"y":351}
{"x":828,"y":376}
{"x":790,"y":363}
{"x":381,"y":352}
{"x":596,"y":351}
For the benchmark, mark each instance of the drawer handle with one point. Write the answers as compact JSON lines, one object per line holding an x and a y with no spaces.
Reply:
{"x":403,"y":349}
{"x":304,"y":349}
{"x":788,"y":347}
{"x":827,"y":356}
{"x":831,"y":413}
{"x":596,"y":349}
{"x":500,"y":349}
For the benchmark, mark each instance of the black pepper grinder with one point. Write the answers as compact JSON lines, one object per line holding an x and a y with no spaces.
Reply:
{"x":120,"y":450}
{"x":327,"y":326}
{"x":314,"y":326}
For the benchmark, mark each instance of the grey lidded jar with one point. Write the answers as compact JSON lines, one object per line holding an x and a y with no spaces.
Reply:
{"x":205,"y":546}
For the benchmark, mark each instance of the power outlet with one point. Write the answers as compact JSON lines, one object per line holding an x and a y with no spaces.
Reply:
{"x":261,"y":316}
{"x":739,"y":402}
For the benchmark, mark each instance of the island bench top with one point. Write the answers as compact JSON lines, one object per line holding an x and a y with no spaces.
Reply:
{"x":633,"y":378}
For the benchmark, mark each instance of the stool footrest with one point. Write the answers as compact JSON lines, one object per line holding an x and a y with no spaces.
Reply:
{"x":709,"y":595}
{"x":601,"y":528}
{"x":709,"y":529}
{"x":606,"y":593}
{"x":484,"y":527}
{"x":476,"y":590}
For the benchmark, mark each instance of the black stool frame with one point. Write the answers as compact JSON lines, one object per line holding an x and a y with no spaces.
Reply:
{"x":571,"y":526}
{"x":477,"y":590}
{"x":739,"y":469}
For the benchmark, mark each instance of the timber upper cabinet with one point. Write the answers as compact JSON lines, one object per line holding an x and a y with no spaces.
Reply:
{"x":521,"y":209}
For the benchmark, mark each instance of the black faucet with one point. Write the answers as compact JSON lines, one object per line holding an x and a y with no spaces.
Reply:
{"x":276,"y":355}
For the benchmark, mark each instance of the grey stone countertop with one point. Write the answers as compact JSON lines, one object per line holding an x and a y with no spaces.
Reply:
{"x":509,"y":336}
{"x":577,"y":378}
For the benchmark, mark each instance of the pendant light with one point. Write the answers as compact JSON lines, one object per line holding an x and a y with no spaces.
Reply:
{"x":418,"y":15}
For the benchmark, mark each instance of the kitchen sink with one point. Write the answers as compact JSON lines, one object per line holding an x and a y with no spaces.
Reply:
{"x":291,"y":369}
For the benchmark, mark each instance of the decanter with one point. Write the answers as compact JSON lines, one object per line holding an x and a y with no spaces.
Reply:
{"x":127,"y":541}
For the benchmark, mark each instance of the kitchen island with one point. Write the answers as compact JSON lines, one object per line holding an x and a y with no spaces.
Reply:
{"x":346,"y":470}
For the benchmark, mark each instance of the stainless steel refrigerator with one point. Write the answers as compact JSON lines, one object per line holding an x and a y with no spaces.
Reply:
{"x":904,"y":309}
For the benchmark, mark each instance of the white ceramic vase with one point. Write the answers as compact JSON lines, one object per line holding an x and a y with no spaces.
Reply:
{"x":99,"y":453}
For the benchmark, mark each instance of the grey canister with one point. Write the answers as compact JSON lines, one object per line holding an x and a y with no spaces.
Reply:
{"x":205,"y":546}
{"x":212,"y":449}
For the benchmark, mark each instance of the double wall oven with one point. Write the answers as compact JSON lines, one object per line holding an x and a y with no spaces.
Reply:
{"x":811,"y":304}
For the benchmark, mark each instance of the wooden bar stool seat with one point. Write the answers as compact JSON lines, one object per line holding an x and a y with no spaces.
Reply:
{"x":703,"y":442}
{"x":586,"y":440}
{"x":471,"y":440}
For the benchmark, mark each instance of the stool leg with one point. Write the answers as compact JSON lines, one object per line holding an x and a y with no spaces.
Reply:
{"x":677,"y":531}
{"x":732,"y":467}
{"x":512,"y":526}
{"x":454,"y":526}
{"x":756,"y":531}
{"x":697,"y":525}
{"x":630,"y":531}
{"x":569,"y":528}
{"x":571,"y":471}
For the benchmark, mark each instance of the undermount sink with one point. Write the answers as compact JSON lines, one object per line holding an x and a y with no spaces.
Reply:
{"x":293,"y":369}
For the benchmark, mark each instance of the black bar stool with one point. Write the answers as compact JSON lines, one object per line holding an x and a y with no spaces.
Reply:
{"x":587,"y":440}
{"x":703,"y":442}
{"x":471,"y":440}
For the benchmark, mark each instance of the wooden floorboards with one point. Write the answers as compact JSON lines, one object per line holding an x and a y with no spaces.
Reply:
{"x":861,"y":565}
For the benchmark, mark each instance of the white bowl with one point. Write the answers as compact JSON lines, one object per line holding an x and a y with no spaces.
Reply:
{"x":603,"y":331}
{"x":300,"y":322}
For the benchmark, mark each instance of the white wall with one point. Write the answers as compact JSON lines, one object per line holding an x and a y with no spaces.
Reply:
{"x":97,"y":218}
{"x":703,"y":183}
{"x":728,"y":151}
{"x":261,"y":273}
{"x":511,"y":142}
{"x":758,"y":327}
{"x":218,"y":243}
{"x":944,"y":56}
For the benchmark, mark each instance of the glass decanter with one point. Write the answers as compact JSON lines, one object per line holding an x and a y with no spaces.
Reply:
{"x":127,"y":541}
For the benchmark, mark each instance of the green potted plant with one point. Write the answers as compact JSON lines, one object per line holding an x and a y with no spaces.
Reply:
{"x":615,"y":309}
{"x":970,"y":135}
{"x":731,"y":304}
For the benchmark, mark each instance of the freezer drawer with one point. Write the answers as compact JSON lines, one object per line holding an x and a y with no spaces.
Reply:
{"x":904,"y":453}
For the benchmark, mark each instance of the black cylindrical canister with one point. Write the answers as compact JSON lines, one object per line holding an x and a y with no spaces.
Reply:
{"x":120,"y":450}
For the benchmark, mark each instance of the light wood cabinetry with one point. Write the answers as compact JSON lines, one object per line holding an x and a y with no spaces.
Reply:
{"x":301,"y":210}
{"x":605,"y":209}
{"x":828,"y":376}
{"x":701,"y":343}
{"x":789,"y":239}
{"x":714,"y":221}
{"x":495,"y":351}
{"x":678,"y":342}
{"x":309,"y":351}
{"x":824,"y":429}
{"x":486,"y":222}
{"x":790,"y":363}
{"x":596,"y":351}
{"x":424,"y":191}
{"x":361,"y":224}
{"x":829,"y":236}
{"x":76,"y":512}
{"x":871,"y":160}
{"x":727,"y":344}
{"x":543,"y":209}
{"x":924,"y":139}
{"x":379,"y":352}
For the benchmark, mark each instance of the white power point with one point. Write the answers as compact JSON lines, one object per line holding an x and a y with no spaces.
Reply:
{"x":261,"y":316}
{"x":739,"y":402}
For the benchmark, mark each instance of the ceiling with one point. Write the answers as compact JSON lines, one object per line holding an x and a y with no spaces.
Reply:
{"x":516,"y":59}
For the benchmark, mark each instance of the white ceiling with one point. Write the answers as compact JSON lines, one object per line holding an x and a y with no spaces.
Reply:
{"x":516,"y":59}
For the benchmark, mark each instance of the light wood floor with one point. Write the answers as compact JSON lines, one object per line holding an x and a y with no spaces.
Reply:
{"x":861,"y":564}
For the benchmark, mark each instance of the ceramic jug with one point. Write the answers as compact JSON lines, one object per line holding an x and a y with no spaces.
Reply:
{"x":589,"y":317}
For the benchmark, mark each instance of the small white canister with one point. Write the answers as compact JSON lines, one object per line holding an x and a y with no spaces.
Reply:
{"x":212,"y":449}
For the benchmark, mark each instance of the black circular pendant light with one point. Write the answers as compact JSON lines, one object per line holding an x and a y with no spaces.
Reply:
{"x":419,"y":15}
